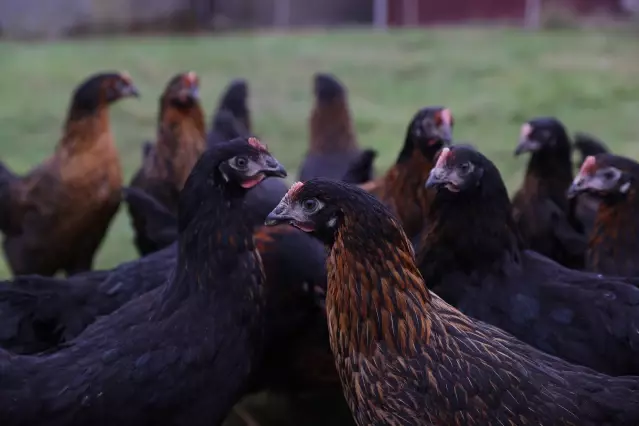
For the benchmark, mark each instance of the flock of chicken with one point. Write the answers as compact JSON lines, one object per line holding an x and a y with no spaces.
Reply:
{"x":424,"y":296}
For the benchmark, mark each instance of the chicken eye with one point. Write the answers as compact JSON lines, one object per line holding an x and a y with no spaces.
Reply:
{"x":464,"y":168}
{"x":240,"y":163}
{"x":310,"y":205}
{"x":609,"y":175}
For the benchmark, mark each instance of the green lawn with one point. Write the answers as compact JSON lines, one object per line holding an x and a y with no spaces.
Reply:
{"x":493,"y":79}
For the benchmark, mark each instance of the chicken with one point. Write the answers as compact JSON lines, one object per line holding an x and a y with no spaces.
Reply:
{"x":586,"y":205}
{"x":405,"y":357}
{"x":166,"y":164}
{"x":55,"y":217}
{"x":294,"y":264}
{"x":473,"y":257}
{"x":333,"y":144}
{"x":541,"y":209}
{"x":402,"y":187}
{"x":613,"y":247}
{"x":181,"y":354}
{"x":232,"y":114}
{"x":362,"y":168}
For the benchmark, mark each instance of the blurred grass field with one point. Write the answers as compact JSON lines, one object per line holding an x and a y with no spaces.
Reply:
{"x":492,"y":79}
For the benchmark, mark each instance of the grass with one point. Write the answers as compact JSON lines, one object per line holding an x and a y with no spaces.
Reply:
{"x":492,"y":79}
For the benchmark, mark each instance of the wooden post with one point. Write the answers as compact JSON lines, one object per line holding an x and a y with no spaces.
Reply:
{"x":380,"y":14}
{"x":282,"y":13}
{"x":532,"y":14}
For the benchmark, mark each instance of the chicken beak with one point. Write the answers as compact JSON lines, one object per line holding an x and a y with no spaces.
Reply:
{"x":280,"y":214}
{"x":130,"y":91}
{"x":526,"y":145}
{"x":437,"y":177}
{"x":274,"y":168}
{"x":578,"y":185}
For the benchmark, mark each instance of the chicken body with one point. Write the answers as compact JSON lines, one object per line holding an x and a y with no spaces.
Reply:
{"x":333,"y":144}
{"x":55,"y":217}
{"x":405,"y":357}
{"x":167,"y":164}
{"x":473,"y":257}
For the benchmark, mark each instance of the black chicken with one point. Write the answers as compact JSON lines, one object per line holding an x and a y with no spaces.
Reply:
{"x":472,"y":256}
{"x":181,"y":354}
{"x":405,"y":357}
{"x":333,"y":145}
{"x":232,"y":114}
{"x":614,"y":241}
{"x":540,"y":208}
{"x":362,"y":168}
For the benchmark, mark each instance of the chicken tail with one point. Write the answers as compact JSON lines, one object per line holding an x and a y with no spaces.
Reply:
{"x":588,"y":145}
{"x":361,"y":169}
{"x":160,"y":223}
{"x":7,"y":177}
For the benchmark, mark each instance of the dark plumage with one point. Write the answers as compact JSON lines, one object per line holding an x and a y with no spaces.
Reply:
{"x":294,"y":267}
{"x":333,"y":144}
{"x":613,"y":248}
{"x":362,"y":168}
{"x":473,"y":257}
{"x":40,"y":313}
{"x":588,"y":145}
{"x":167,"y":163}
{"x":402,"y":187}
{"x":181,"y":354}
{"x":541,"y":209}
{"x":405,"y":357}
{"x":55,"y":217}
{"x":232,"y":118}
{"x":586,"y":205}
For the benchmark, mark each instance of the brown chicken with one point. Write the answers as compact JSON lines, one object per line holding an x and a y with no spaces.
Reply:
{"x":540,"y":208}
{"x":586,"y":205}
{"x":333,"y":144}
{"x":56,"y":216}
{"x":405,"y":357}
{"x":613,"y":248}
{"x":402,"y":187}
{"x":167,"y":163}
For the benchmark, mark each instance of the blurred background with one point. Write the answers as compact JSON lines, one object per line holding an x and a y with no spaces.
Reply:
{"x":495,"y":63}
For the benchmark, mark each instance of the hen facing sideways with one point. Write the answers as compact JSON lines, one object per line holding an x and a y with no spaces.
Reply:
{"x":167,"y":163}
{"x":405,"y":357}
{"x":614,"y":240}
{"x":541,"y":209}
{"x":181,"y":354}
{"x":55,"y":217}
{"x":402,"y":186}
{"x":473,"y":257}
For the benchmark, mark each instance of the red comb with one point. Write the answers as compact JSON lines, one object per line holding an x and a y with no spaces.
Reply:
{"x":589,"y":166}
{"x":125,"y":76}
{"x":294,"y":189}
{"x":525,"y":131}
{"x":190,"y":77}
{"x":442,"y":157}
{"x":446,"y":116}
{"x":255,"y":143}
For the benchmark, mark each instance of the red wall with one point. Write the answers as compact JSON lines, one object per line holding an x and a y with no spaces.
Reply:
{"x":442,"y":11}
